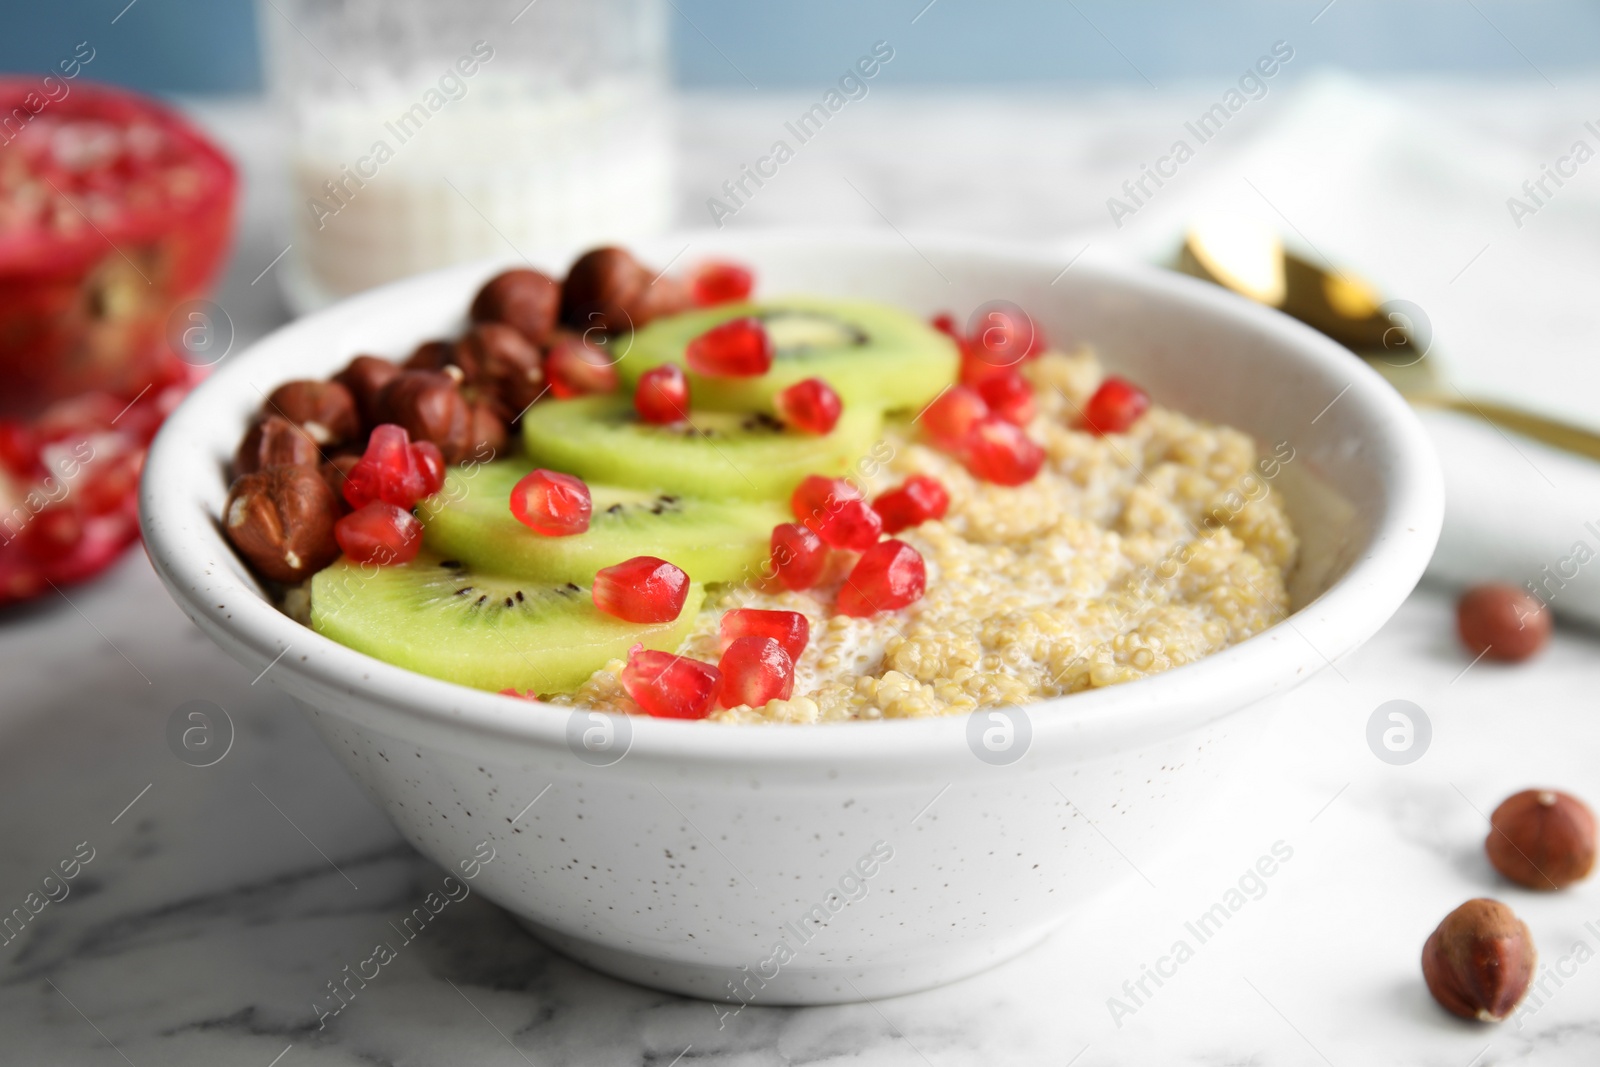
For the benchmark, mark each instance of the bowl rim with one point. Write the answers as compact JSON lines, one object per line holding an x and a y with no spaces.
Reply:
{"x":191,"y":559}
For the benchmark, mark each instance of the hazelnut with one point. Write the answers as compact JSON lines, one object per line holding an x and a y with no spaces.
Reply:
{"x":325,"y":410}
{"x":1478,"y":963}
{"x":335,"y":471}
{"x":1542,"y":839}
{"x":1502,"y":622}
{"x":525,"y":300}
{"x":665,"y":296}
{"x":281,"y":520}
{"x":499,"y":364}
{"x":431,"y":355}
{"x":275,"y":442}
{"x":365,"y":378}
{"x":488,"y":431}
{"x":429,"y":407}
{"x":602,"y":290}
{"x":575,"y":364}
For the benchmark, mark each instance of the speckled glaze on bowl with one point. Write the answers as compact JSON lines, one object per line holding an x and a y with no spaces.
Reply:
{"x":790,"y":865}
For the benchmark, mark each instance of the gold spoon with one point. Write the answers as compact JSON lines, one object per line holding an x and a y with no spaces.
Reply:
{"x":1392,"y":336}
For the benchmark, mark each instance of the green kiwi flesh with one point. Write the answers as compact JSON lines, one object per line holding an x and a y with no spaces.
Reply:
{"x":470,"y":520}
{"x":715,"y":454}
{"x":872,"y":355}
{"x":449,"y":620}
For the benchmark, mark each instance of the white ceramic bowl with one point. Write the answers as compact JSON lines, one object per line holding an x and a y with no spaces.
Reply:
{"x":822,"y":863}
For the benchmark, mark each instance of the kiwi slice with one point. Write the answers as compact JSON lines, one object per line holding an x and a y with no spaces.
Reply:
{"x":443,"y":618}
{"x":873,"y":356}
{"x":716,"y":454}
{"x":713,"y":540}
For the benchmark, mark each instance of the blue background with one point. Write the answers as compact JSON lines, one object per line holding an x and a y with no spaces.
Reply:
{"x":210,"y":45}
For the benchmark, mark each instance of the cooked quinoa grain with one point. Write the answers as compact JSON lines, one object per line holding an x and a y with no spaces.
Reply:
{"x":1128,"y":555}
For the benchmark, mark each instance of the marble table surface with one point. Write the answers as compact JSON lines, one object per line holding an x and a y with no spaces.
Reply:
{"x":217,"y":900}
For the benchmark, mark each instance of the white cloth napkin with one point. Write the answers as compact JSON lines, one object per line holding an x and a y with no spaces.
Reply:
{"x":1397,"y":194}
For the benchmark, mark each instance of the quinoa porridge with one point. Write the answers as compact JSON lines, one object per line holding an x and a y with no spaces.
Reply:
{"x":1126,"y":556}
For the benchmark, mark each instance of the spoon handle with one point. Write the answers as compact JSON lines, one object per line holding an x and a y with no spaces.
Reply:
{"x":1553,"y":432}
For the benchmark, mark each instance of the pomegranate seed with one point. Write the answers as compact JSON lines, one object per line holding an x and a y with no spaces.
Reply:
{"x":998,"y":451}
{"x":721,"y":283}
{"x":754,"y":671}
{"x":19,"y":452}
{"x":739,"y":348}
{"x":789,"y":628}
{"x":1008,"y":395}
{"x":668,"y":686}
{"x":975,"y":368}
{"x":798,"y":555}
{"x":430,"y":464}
{"x":552,"y":504}
{"x":949,"y":418}
{"x":810,"y":406}
{"x":853,"y":525}
{"x":1115,"y":406}
{"x":835,"y":511}
{"x":53,"y":533}
{"x":520,"y":694}
{"x":916,"y":501}
{"x":1037,"y":342}
{"x":641,"y":589}
{"x":573,"y":368}
{"x":111,"y":482}
{"x":77,"y":416}
{"x":945,"y":323}
{"x":887,"y":577}
{"x":816,"y":496}
{"x":1003,"y":336}
{"x":662,"y":395}
{"x":386,"y":471}
{"x":379,"y":533}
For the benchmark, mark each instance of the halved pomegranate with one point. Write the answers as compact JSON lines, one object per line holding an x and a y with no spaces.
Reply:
{"x":113,"y":211}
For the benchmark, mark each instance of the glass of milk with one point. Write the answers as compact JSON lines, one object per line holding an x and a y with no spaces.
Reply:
{"x":430,"y":132}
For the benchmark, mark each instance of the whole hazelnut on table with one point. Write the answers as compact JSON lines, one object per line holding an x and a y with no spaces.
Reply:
{"x":1480,"y":960}
{"x":429,"y":407}
{"x":502,"y":366}
{"x":1500,"y":621}
{"x":1542,"y":839}
{"x":365,"y":378}
{"x":526,"y":300}
{"x":275,"y":442}
{"x":325,"y":410}
{"x":281,"y":521}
